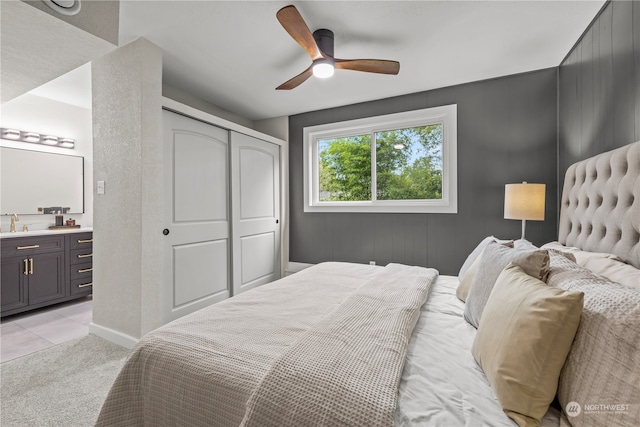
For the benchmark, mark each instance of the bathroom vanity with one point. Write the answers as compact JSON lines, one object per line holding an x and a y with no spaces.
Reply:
{"x":41,"y":268}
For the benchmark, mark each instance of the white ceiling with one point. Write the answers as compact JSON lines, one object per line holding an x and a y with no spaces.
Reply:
{"x":234,"y":53}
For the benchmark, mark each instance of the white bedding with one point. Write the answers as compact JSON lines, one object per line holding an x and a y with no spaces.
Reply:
{"x":442,"y":385}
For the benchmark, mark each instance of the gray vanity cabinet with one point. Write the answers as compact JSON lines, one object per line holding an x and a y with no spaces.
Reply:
{"x":36,"y":272}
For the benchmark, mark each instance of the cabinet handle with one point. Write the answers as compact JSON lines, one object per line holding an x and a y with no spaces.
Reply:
{"x":84,"y":270}
{"x":85,"y":285}
{"x":85,"y":255}
{"x":86,"y":241}
{"x":26,"y":267}
{"x":28,"y":247}
{"x":30,"y":265}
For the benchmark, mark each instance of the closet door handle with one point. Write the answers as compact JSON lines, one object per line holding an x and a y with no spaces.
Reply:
{"x":30,"y":265}
{"x":26,"y":267}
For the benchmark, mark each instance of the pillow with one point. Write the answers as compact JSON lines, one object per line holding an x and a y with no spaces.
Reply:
{"x":523,"y":244}
{"x":470,"y":266}
{"x":478,"y":250}
{"x":602,"y":365}
{"x":494,"y":259}
{"x":580,"y":255}
{"x":462,"y":291}
{"x":526,"y":331}
{"x":616,"y":271}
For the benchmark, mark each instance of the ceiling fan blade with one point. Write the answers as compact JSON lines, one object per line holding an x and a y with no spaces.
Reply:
{"x":293,"y":23}
{"x":381,"y":66}
{"x":297,"y":80}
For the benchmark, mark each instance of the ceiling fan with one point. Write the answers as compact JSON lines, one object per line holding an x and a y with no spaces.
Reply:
{"x":319,"y":46}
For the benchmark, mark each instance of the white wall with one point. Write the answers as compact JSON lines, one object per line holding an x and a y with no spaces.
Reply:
{"x":128,"y":218}
{"x":45,"y":116}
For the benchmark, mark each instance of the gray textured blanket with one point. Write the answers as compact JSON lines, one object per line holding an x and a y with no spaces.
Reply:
{"x":324,"y":347}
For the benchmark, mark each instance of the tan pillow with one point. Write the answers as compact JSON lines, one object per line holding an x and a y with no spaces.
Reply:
{"x":465,"y":281}
{"x":526,"y":331}
{"x":495,"y":258}
{"x":602,"y":364}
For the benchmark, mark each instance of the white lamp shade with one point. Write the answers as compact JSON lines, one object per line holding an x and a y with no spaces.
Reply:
{"x":524,"y":201}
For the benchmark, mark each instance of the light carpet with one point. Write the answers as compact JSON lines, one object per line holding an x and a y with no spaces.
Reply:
{"x":64,"y":385}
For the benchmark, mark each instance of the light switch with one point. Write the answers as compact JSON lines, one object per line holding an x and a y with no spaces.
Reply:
{"x":100,"y":187}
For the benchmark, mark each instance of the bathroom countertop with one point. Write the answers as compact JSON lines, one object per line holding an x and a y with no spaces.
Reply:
{"x":7,"y":235}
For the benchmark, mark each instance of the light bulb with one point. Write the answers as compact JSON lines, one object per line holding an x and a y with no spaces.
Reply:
{"x":67,"y":143}
{"x":50,"y":140}
{"x":31,"y":137}
{"x":11,"y":134}
{"x":323,"y":70}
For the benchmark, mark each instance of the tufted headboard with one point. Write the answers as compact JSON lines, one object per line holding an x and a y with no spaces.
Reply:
{"x":600,"y":210}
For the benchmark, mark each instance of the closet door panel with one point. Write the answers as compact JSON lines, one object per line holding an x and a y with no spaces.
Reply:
{"x":255,"y":182}
{"x":197,"y":227}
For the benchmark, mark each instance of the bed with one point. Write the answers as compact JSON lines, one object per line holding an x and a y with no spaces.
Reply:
{"x":358,"y":345}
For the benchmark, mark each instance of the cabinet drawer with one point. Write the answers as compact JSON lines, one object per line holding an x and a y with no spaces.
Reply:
{"x":32,"y":245}
{"x":81,"y":286}
{"x":80,"y":240}
{"x":80,"y":256}
{"x":82,"y":271}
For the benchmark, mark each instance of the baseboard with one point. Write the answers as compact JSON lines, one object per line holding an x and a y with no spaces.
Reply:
{"x":113,"y":336}
{"x":294,"y":267}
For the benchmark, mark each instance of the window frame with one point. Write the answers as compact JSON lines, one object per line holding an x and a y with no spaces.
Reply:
{"x":445,"y":115}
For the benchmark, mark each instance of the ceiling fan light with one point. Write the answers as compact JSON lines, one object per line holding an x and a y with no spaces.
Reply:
{"x":323,"y":70}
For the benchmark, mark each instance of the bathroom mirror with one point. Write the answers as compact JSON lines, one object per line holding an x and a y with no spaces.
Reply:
{"x":33,"y":180}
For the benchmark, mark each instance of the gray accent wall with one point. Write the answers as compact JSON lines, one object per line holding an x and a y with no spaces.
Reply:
{"x":507,"y":133}
{"x":599,"y":82}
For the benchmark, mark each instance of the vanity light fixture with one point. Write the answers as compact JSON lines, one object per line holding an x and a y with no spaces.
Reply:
{"x":36,"y":138}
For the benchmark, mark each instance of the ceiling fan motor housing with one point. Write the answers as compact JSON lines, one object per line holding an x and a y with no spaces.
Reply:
{"x":324,"y":40}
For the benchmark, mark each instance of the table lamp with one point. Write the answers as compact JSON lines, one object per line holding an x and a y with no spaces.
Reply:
{"x":525,"y":202}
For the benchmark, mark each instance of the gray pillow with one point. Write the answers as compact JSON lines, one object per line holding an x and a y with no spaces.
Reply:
{"x":478,"y":250}
{"x":494,"y":259}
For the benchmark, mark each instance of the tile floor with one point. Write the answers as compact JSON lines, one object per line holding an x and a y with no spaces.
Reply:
{"x":36,"y":330}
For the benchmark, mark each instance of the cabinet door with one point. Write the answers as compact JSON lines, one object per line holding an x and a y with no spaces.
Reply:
{"x":14,"y":293}
{"x":46,"y":277}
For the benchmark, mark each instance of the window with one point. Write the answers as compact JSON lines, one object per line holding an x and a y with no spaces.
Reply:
{"x":404,"y":162}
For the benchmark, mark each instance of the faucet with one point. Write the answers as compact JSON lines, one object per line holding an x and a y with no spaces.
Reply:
{"x":14,"y":218}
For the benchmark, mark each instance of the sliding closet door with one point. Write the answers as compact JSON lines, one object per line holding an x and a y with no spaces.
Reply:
{"x":197,"y":244}
{"x":255,"y":183}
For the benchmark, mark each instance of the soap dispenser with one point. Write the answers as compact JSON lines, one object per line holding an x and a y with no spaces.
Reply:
{"x":59,"y":219}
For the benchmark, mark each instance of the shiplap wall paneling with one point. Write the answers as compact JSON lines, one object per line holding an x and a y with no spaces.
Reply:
{"x":507,"y":132}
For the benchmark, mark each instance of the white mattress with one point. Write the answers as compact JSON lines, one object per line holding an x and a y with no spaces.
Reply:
{"x":442,"y":385}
